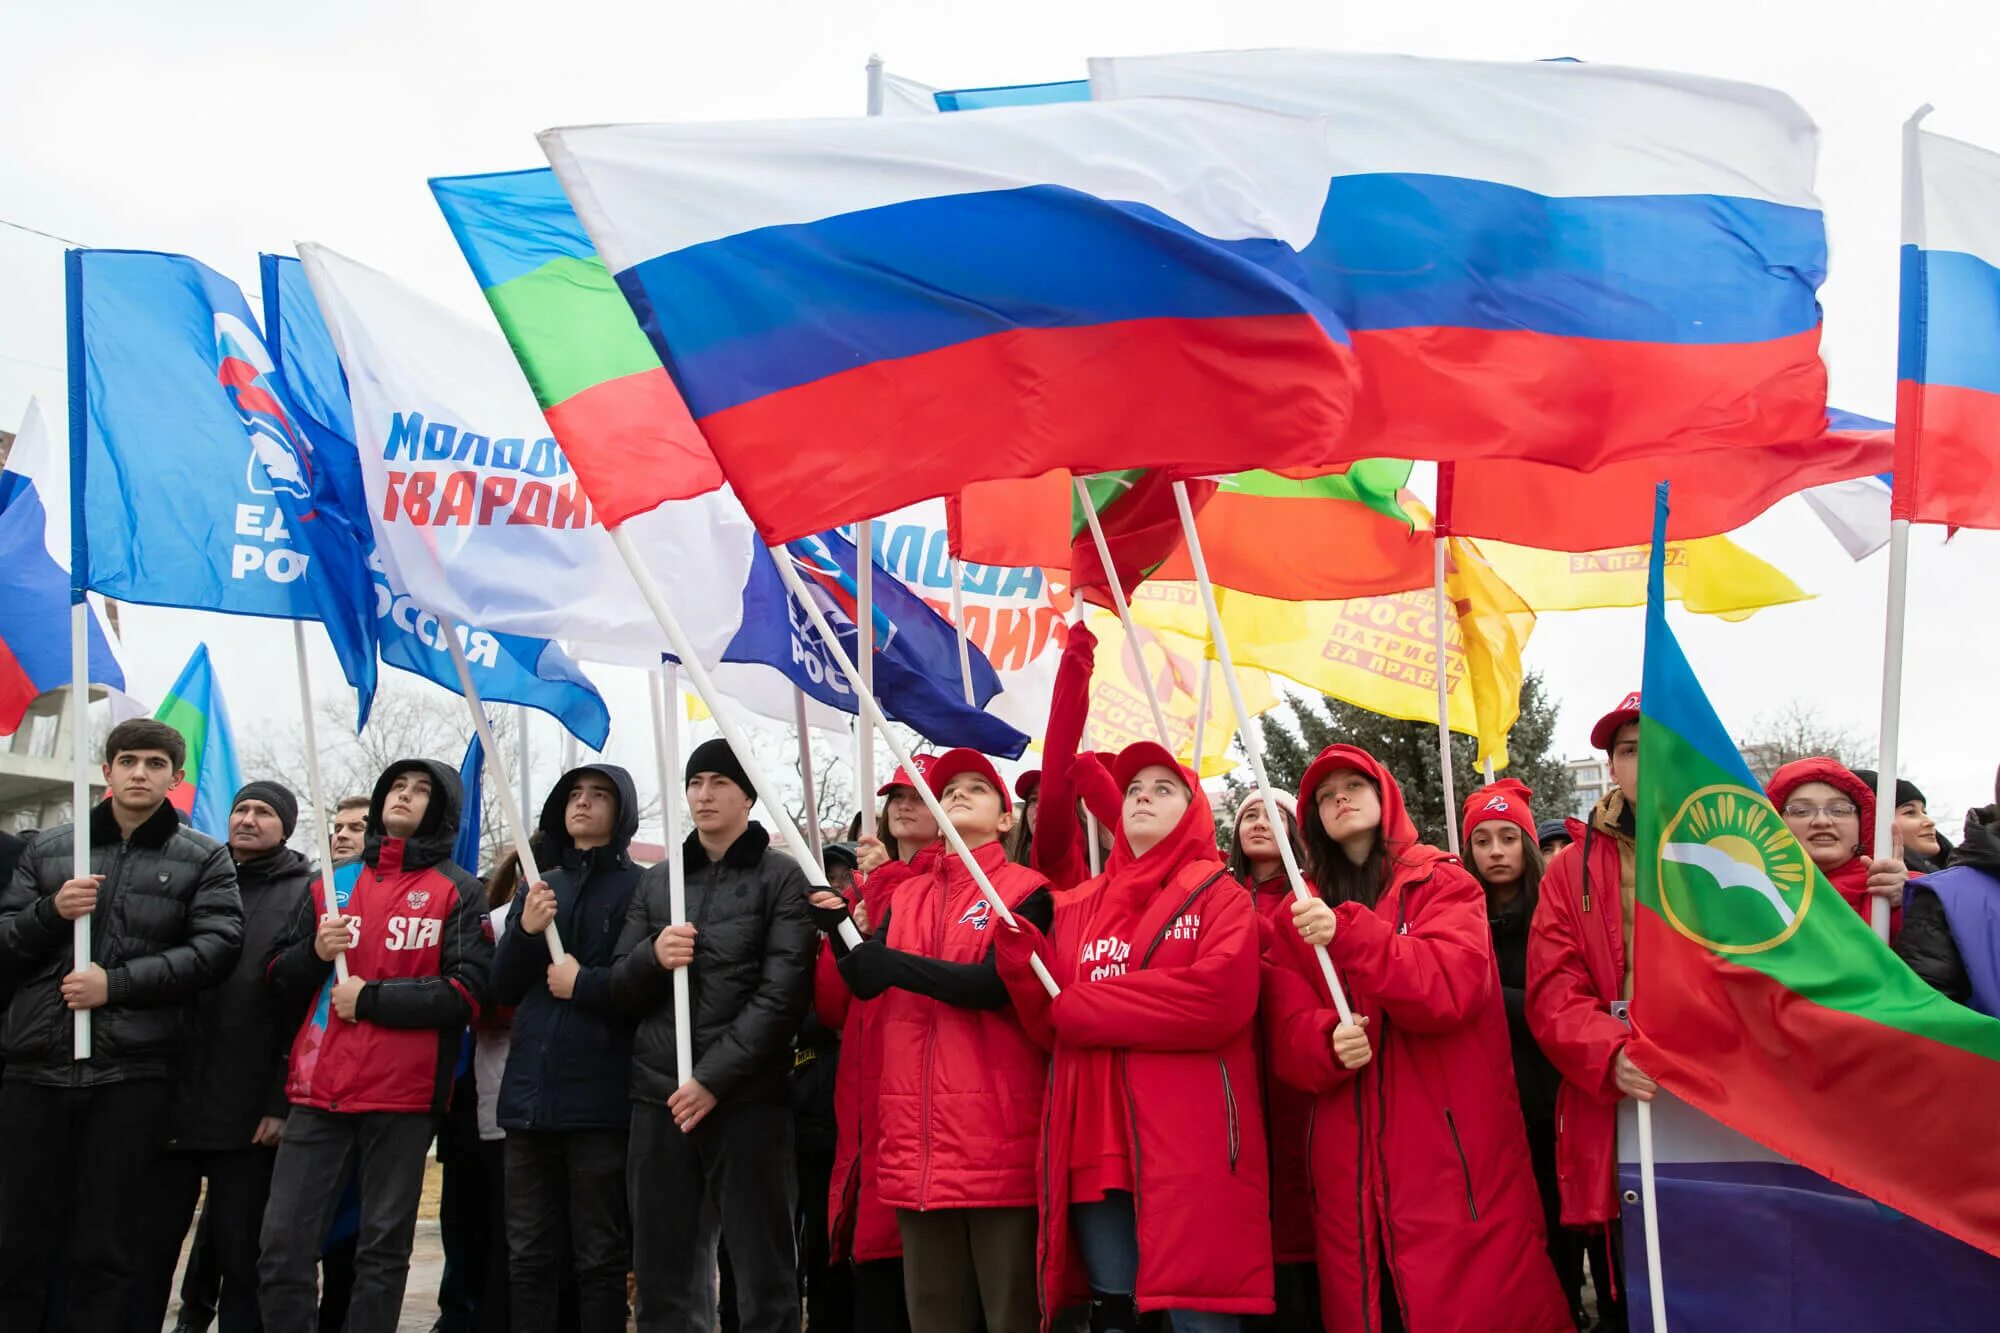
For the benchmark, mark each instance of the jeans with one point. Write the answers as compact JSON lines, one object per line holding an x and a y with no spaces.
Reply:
{"x":566,"y":1205}
{"x":319,"y":1150}
{"x":1108,"y":1234}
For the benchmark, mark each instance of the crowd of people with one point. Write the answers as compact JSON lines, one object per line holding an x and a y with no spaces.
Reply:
{"x":1061,"y":1098}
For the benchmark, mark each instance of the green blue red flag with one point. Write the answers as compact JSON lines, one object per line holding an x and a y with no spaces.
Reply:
{"x":194,"y":708}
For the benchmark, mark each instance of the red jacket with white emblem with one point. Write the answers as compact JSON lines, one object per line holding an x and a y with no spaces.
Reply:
{"x":1419,"y":1159}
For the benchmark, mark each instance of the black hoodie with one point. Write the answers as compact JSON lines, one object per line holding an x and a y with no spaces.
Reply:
{"x":569,"y":1063}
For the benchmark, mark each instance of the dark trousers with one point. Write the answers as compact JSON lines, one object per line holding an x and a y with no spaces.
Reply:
{"x":879,"y":1306}
{"x":828,"y":1287}
{"x":239,"y":1181}
{"x":74,"y":1162}
{"x":472,"y":1230}
{"x":1606,"y":1247}
{"x":1297,"y":1291}
{"x":1565,"y":1245}
{"x":566,"y":1207}
{"x":960,"y":1264}
{"x":320,"y":1148}
{"x":734,"y":1174}
{"x":201,"y":1281}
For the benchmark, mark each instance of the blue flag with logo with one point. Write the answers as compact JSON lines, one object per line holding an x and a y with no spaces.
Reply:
{"x":466,"y":850}
{"x":916,"y":651}
{"x":506,"y":668}
{"x":199,"y":489}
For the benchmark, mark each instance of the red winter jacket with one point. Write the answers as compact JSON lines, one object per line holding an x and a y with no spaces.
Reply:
{"x":1288,"y":1114}
{"x":1419,"y":1160}
{"x":1576,"y":970}
{"x":1178,"y":1024}
{"x":860,"y":1226}
{"x":958,"y":1112}
{"x":1061,"y":846}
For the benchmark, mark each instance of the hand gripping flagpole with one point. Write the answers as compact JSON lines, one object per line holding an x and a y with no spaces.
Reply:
{"x":724,"y":712}
{"x":1132,"y":648}
{"x":1439,"y":670}
{"x":79,"y":827}
{"x":316,"y":792}
{"x":510,"y":808}
{"x":1899,"y":540}
{"x":1253,"y":744}
{"x":664,"y":688}
{"x":873,"y":712}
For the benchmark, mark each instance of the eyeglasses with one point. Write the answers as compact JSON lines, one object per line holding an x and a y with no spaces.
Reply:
{"x":1832,"y":810}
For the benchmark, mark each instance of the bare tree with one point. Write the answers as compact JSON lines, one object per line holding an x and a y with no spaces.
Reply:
{"x":1797,"y":731}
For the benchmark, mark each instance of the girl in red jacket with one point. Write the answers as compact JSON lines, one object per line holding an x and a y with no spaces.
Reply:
{"x":1832,"y":814}
{"x":957,"y":1108}
{"x":1154,"y":1193}
{"x":1255,"y":862}
{"x":1423,"y":1197}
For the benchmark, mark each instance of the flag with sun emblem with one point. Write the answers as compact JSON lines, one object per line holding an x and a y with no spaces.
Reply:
{"x":1763,"y":999}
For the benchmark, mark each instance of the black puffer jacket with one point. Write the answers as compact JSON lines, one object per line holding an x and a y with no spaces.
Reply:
{"x":1925,"y":942}
{"x":1535,"y":1078}
{"x":751,"y":978}
{"x":569,"y":1063}
{"x":168,"y":924}
{"x":233,"y":1071}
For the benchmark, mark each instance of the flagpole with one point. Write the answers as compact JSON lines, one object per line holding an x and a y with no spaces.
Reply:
{"x":1489,"y":774}
{"x":524,"y":760}
{"x":1649,"y":1202}
{"x":1899,"y":556}
{"x":510,"y":808}
{"x":872,"y":711}
{"x":957,"y":571}
{"x":1132,"y":648}
{"x":864,"y":648}
{"x":315,"y":791}
{"x":664,"y":689}
{"x":1442,"y":675}
{"x":811,"y":793}
{"x":1253,"y":744}
{"x":1201,"y":713}
{"x":724,"y":711}
{"x":79,"y":828}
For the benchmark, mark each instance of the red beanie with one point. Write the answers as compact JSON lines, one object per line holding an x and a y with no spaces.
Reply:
{"x":1506,"y":799}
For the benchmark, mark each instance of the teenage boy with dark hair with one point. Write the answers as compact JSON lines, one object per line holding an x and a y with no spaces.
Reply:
{"x":563,"y":1098}
{"x":371,"y":1068}
{"x":716,"y":1150}
{"x":79,"y":1138}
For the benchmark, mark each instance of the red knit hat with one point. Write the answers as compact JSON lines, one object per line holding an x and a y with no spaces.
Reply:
{"x":1506,"y":799}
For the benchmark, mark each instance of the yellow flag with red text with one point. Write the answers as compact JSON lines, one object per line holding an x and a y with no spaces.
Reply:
{"x":1709,"y":576}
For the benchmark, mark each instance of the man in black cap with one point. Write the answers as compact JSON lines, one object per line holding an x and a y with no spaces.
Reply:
{"x":715,"y":1150}
{"x":228,"y":1108}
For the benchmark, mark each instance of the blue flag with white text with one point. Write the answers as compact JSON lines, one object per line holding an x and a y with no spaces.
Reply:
{"x":466,"y":850}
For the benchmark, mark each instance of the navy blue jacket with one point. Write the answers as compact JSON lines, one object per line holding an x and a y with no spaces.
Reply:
{"x":569,"y":1065}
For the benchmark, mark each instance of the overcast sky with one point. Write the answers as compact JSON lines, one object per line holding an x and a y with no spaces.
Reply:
{"x":219,"y":128}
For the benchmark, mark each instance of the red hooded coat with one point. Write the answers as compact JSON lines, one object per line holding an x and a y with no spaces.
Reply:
{"x":1850,"y":878}
{"x":1167,"y":1009}
{"x":1419,"y":1159}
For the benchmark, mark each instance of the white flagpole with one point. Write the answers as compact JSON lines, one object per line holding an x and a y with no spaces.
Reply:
{"x":1201,"y":712}
{"x":873,"y":712}
{"x":1124,"y":611}
{"x":1443,"y":692}
{"x":810,"y":792}
{"x":1899,"y":560}
{"x":1489,"y":774}
{"x":524,"y":758}
{"x":864,"y":648}
{"x":1253,"y":744}
{"x":1093,"y":848}
{"x":79,"y":828}
{"x":315,"y":791}
{"x":724,"y":710}
{"x":874,"y":85}
{"x":664,"y":688}
{"x":510,"y":809}
{"x":1649,"y":1198}
{"x":957,"y":571}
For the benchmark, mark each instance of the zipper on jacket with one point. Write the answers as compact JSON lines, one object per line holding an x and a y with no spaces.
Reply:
{"x":1465,"y":1167}
{"x":1229,"y":1104}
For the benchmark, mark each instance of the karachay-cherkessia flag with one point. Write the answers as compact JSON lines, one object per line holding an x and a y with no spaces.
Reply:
{"x":1765,"y":1001}
{"x":865,"y":313}
{"x":1349,"y":533}
{"x":194,"y":708}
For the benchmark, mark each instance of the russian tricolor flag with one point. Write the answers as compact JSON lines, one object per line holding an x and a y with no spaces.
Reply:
{"x":862,"y":314}
{"x":1558,"y":262}
{"x":34,"y":578}
{"x":1948,"y":372}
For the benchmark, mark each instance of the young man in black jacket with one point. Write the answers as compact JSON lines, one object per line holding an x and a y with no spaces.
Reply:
{"x":563,"y":1099}
{"x":79,"y":1138}
{"x":715,"y":1150}
{"x":229,"y":1106}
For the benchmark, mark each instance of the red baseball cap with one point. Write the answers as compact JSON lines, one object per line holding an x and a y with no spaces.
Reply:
{"x":1028,"y":784}
{"x":902,"y":777}
{"x":1606,"y":730}
{"x":943,"y":768}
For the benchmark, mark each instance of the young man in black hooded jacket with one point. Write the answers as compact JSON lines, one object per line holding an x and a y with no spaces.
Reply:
{"x":715,"y":1150}
{"x":563,"y":1099}
{"x":371,"y":1068}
